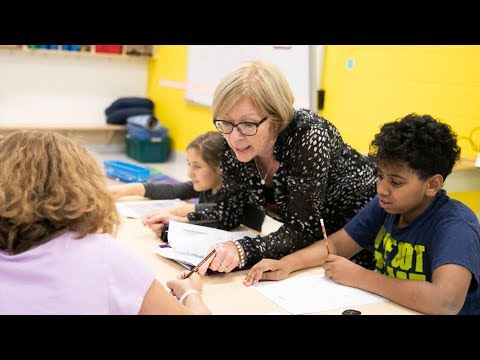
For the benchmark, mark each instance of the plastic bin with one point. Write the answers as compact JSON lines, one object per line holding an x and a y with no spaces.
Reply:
{"x":126,"y":172}
{"x":155,"y":149}
{"x":139,"y":132}
{"x":109,"y":49}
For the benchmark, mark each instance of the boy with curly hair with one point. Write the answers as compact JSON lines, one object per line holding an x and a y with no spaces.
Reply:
{"x":426,"y":245}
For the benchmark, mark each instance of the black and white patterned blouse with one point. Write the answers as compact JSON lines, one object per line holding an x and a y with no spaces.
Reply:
{"x":158,"y":190}
{"x":319,"y":177}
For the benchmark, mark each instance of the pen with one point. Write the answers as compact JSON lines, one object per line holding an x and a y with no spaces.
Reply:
{"x":200,"y":263}
{"x":325,"y":235}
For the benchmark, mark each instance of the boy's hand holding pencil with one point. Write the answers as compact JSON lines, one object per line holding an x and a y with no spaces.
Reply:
{"x":325,"y":235}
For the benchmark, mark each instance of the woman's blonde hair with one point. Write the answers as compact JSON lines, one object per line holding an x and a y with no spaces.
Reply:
{"x":264,"y":84}
{"x":50,"y":184}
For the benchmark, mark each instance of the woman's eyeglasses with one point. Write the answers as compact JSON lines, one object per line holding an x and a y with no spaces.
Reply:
{"x":246,"y":128}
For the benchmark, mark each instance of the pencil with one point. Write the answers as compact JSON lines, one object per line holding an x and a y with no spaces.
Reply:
{"x":325,"y":235}
{"x":200,"y":263}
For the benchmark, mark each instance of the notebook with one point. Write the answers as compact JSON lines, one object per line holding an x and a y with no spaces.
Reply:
{"x":188,"y":243}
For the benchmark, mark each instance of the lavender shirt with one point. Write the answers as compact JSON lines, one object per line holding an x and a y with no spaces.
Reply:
{"x":92,"y":275}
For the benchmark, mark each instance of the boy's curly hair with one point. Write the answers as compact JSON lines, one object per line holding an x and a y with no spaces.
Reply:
{"x":50,"y":184}
{"x":425,"y":144}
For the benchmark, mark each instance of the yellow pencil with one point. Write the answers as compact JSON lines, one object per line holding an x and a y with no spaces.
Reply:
{"x":325,"y":235}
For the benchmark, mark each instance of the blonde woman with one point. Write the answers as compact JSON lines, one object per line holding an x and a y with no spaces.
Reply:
{"x":291,"y":162}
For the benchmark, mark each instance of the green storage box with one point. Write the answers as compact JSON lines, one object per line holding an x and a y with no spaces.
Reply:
{"x":148,"y":150}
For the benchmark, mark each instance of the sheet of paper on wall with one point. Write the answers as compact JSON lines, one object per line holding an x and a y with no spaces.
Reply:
{"x":188,"y":243}
{"x":137,"y":209}
{"x":314,"y":293}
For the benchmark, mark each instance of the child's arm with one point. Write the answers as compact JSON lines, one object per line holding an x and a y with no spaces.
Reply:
{"x":159,"y":301}
{"x":444,"y":295}
{"x":119,"y":191}
{"x":311,"y":256}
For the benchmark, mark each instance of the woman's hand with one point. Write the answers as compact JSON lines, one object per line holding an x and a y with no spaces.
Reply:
{"x":157,"y":221}
{"x":267,"y":269}
{"x":181,"y":209}
{"x":160,"y":213}
{"x":225,"y":259}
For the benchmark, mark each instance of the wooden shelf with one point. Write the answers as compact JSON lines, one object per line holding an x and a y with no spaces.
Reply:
{"x":63,"y":127}
{"x":130,"y":52}
{"x":105,"y":134}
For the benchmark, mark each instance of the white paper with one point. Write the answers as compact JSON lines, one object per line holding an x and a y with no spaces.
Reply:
{"x":187,"y":260}
{"x":270,"y":225}
{"x":195,"y":239}
{"x":189,"y":243}
{"x":314,"y":293}
{"x":137,"y":209}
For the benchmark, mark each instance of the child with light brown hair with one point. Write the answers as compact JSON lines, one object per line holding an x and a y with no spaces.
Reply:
{"x":57,"y":253}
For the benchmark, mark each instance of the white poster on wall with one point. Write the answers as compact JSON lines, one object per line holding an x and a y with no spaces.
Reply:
{"x":208,"y":64}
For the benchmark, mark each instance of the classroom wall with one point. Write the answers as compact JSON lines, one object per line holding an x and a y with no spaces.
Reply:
{"x":384,"y":83}
{"x":166,"y":87}
{"x":365,"y":86}
{"x":64,"y":89}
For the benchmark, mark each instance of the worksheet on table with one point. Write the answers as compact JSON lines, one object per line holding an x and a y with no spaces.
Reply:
{"x":314,"y":293}
{"x":137,"y":209}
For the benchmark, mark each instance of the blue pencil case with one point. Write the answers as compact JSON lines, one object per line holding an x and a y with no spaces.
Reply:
{"x":126,"y":172}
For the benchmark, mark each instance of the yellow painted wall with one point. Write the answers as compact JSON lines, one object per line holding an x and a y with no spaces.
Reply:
{"x":184,"y":121}
{"x":469,"y":198}
{"x":387,"y":82}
